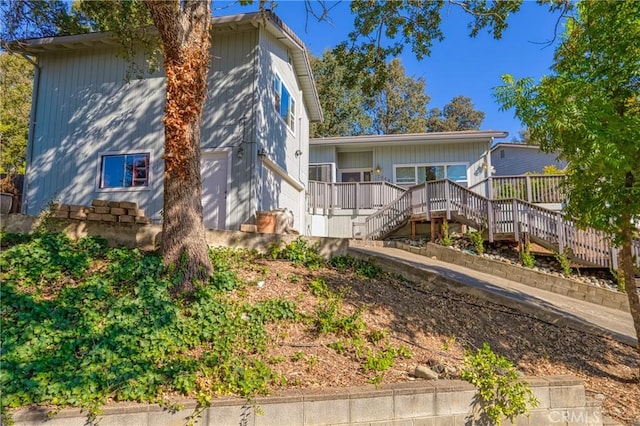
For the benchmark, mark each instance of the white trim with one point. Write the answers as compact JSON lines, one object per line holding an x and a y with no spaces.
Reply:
{"x":291,"y":97}
{"x":416,"y":165}
{"x":282,"y":173}
{"x":98,"y":178}
{"x":360,"y":170}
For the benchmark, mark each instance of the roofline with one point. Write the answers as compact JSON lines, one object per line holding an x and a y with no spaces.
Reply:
{"x":272,"y":23}
{"x":514,"y":145}
{"x":460,"y":136}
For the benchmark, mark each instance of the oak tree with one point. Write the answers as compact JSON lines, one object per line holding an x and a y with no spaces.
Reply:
{"x":589,"y":110}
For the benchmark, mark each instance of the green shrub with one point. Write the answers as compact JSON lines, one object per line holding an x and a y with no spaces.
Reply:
{"x":563,"y":260}
{"x":500,"y":390}
{"x":299,"y":252}
{"x":446,"y":238}
{"x":526,"y":258}
{"x":477,"y":239}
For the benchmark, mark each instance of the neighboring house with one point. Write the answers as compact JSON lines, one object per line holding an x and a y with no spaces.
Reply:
{"x":96,"y":136}
{"x":518,"y":158}
{"x":385,"y":165}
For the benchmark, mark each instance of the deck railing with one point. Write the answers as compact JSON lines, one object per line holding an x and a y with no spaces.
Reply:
{"x":501,"y":216}
{"x":536,"y":189}
{"x":327,"y":196}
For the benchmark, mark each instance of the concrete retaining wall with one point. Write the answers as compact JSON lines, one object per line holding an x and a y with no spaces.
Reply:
{"x":420,"y":403}
{"x":147,"y":237}
{"x":552,"y":283}
{"x":555,"y":284}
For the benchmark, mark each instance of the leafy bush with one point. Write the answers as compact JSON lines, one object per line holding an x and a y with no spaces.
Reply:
{"x":477,"y":239}
{"x":526,"y":258}
{"x":446,"y":238}
{"x":299,"y":252}
{"x":500,"y":390}
{"x":563,"y":260}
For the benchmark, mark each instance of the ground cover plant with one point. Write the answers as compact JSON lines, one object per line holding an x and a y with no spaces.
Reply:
{"x":84,"y":324}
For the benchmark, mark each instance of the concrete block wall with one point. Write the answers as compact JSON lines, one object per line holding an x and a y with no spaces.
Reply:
{"x":555,"y":284}
{"x":148,"y":237}
{"x":419,"y":403}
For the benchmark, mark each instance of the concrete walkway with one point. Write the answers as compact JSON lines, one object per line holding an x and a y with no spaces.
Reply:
{"x":547,"y":306}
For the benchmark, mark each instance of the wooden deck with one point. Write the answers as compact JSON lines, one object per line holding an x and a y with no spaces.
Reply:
{"x":501,"y":218}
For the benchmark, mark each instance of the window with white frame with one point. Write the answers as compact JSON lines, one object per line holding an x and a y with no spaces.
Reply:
{"x":124,"y":170}
{"x":413,"y":174}
{"x":284,"y":103}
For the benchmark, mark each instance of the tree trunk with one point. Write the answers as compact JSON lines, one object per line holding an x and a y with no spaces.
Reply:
{"x":626,"y":264}
{"x":184,"y":29}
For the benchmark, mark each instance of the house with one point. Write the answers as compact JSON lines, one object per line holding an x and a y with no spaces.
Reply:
{"x":96,"y":135}
{"x":511,"y":159}
{"x":351,"y":177}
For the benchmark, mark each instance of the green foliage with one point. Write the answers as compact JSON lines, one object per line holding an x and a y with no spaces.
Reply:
{"x":299,"y":252}
{"x":16,"y":83}
{"x":563,"y":260}
{"x":363,"y":267}
{"x":446,"y":238}
{"x":45,"y":258}
{"x":526,"y":258}
{"x":84,"y":323}
{"x":477,"y":239}
{"x":458,"y":114}
{"x":343,"y":107}
{"x":500,"y":390}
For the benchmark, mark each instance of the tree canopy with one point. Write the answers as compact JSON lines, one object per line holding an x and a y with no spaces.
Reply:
{"x":459,"y":114}
{"x":16,"y":82}
{"x":589,"y":110}
{"x":400,"y":106}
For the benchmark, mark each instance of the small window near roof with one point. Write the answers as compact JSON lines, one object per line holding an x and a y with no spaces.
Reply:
{"x":502,"y":153}
{"x":124,"y":170}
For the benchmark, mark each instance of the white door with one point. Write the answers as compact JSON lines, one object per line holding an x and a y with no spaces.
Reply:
{"x":214,"y":189}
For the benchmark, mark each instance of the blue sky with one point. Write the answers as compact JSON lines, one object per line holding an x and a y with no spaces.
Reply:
{"x":459,"y":65}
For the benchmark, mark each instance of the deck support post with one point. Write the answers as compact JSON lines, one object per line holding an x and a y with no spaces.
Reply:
{"x":447,"y":199}
{"x":490,"y":219}
{"x":516,"y":222}
{"x":427,"y":199}
{"x":560,"y":231}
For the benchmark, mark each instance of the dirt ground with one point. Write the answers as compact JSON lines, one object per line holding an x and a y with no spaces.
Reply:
{"x":436,"y":326}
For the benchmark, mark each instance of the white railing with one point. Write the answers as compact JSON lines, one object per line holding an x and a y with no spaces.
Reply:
{"x":536,"y":189}
{"x":501,"y":216}
{"x":327,"y":196}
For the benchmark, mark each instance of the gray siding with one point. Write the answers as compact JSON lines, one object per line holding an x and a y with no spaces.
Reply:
{"x":355,"y":160}
{"x":471,"y":153}
{"x":274,"y":138}
{"x":229,"y":117}
{"x":322,"y":154}
{"x":86,"y":107}
{"x":518,"y":160}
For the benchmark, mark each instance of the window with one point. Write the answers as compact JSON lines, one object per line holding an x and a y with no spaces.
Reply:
{"x":284,"y":103}
{"x":410,"y":175}
{"x":124,"y":170}
{"x":320,"y":172}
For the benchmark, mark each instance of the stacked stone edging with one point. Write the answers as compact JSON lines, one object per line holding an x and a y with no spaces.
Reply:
{"x":102,"y":211}
{"x":561,"y":401}
{"x":559,"y":285}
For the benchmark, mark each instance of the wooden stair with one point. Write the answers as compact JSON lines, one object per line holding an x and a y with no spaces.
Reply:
{"x":500,"y":218}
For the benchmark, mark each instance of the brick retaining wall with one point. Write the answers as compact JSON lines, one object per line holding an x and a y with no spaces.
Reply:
{"x":420,"y":403}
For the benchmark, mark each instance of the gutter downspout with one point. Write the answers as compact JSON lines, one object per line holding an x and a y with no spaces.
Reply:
{"x":31,"y":134}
